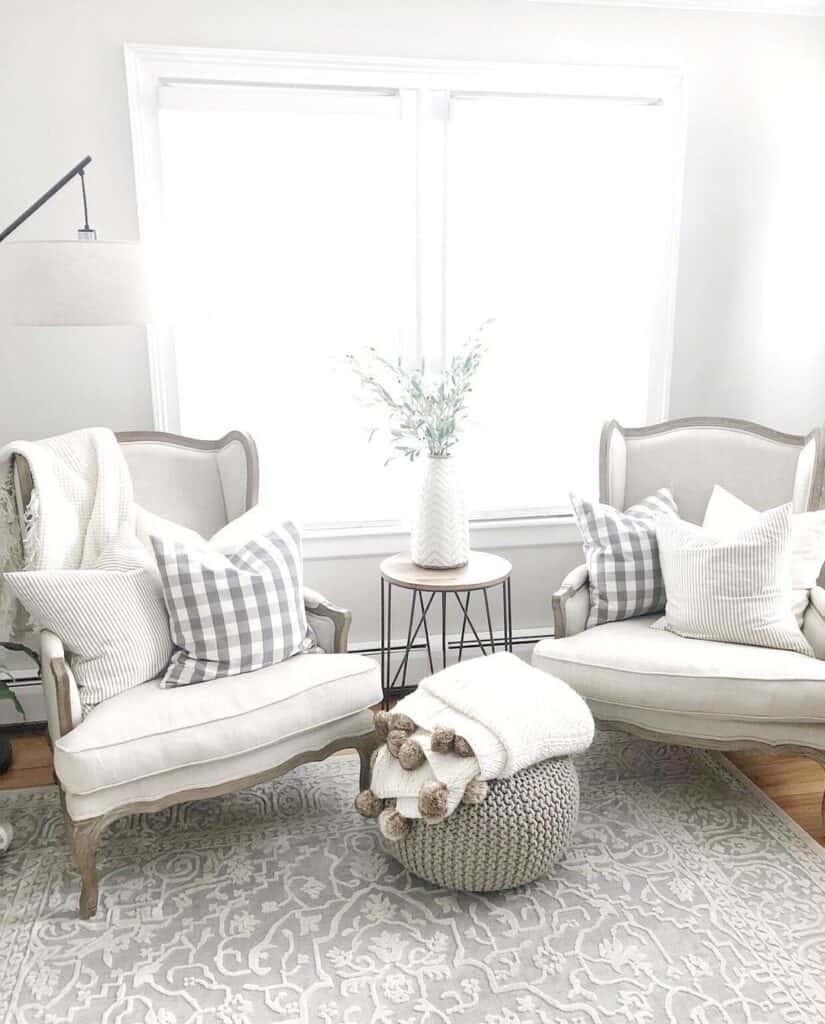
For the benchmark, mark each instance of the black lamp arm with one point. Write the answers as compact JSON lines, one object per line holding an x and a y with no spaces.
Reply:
{"x":76,"y":170}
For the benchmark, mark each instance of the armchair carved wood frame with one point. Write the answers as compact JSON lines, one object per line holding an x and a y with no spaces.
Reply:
{"x":627,"y":688}
{"x":203,"y":485}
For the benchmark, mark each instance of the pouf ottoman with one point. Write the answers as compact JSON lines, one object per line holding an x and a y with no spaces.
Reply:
{"x":514,"y":837}
{"x":473,"y":786}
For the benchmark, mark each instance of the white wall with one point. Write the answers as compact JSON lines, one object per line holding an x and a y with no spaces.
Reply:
{"x":750,"y":321}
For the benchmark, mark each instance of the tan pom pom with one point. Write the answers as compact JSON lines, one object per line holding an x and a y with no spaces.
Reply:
{"x":368,"y":804}
{"x":462,"y":747}
{"x":381,"y":721}
{"x":475,"y":791}
{"x":441,"y":740}
{"x":432,"y":800}
{"x":402,"y":722}
{"x":394,"y":741}
{"x":411,"y":756}
{"x":392,"y":825}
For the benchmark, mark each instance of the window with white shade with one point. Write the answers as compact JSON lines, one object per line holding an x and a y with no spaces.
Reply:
{"x":311,"y":215}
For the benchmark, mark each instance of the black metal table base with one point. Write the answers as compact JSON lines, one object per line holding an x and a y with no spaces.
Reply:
{"x":394,"y":677}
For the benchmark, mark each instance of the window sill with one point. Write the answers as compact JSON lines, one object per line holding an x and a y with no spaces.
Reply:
{"x":494,"y":534}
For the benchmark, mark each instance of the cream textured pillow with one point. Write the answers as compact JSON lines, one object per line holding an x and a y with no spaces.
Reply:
{"x":726,"y":514}
{"x":111,"y":618}
{"x":736,"y":589}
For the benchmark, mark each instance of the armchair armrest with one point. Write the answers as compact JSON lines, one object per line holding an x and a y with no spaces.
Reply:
{"x":59,"y":687}
{"x":817,"y":597}
{"x":329,"y":622}
{"x":813,"y":624}
{"x":571,"y":603}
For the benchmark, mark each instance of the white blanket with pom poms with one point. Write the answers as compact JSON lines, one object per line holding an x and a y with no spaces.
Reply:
{"x":391,"y":781}
{"x":512,"y":716}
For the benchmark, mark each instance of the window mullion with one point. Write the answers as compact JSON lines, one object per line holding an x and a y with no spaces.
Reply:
{"x":433,"y":107}
{"x":410,"y":320}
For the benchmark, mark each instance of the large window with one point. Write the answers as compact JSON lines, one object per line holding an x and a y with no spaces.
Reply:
{"x":306,"y":213}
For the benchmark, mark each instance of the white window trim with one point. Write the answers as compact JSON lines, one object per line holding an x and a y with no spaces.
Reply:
{"x":148,"y":67}
{"x":804,"y":8}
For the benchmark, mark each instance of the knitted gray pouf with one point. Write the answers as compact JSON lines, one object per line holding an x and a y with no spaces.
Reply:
{"x":512,"y":837}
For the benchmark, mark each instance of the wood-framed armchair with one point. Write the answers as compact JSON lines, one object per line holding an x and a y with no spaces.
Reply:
{"x":110,"y":763}
{"x":664,"y":687}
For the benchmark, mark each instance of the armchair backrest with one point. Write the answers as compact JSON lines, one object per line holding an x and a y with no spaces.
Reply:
{"x":199,"y":484}
{"x":761,"y":466}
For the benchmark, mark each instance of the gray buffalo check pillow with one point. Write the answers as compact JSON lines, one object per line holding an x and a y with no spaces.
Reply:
{"x":232,"y":611}
{"x":623,"y":557}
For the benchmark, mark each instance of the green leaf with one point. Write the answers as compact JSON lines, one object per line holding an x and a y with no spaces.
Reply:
{"x":6,"y":693}
{"x":10,"y":646}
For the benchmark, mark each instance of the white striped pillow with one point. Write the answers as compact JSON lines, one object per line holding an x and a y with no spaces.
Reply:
{"x":736,"y":589}
{"x":111,"y":618}
{"x":726,"y":513}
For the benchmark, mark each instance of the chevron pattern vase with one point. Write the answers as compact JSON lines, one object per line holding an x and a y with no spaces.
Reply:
{"x":441,"y":533}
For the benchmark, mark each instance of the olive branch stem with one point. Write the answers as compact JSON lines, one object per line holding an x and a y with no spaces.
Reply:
{"x":425,"y":412}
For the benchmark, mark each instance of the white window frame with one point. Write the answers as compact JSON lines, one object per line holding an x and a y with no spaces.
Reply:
{"x":423,"y":84}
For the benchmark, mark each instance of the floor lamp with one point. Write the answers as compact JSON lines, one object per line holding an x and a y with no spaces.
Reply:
{"x":82,"y":283}
{"x":68,"y":283}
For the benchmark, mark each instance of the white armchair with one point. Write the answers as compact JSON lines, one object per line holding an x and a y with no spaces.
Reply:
{"x":693,"y":692}
{"x":112,"y":762}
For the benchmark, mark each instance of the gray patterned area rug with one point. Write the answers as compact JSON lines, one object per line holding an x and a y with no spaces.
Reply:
{"x":686,"y":897}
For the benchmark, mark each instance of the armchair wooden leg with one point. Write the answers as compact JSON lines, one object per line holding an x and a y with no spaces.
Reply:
{"x":820,"y":759}
{"x":366,"y":746}
{"x":84,"y":837}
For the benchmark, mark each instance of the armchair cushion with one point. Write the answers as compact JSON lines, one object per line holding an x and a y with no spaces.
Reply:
{"x":631,"y":666}
{"x":148,"y":736}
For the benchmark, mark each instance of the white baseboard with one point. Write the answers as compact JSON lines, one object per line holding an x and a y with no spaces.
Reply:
{"x":30,"y":695}
{"x":30,"y":691}
{"x":418,"y":666}
{"x":27,"y":688}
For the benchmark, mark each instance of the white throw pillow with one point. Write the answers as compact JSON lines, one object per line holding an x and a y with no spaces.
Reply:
{"x":235,"y":534}
{"x":735,"y":588}
{"x":726,"y":514}
{"x":111,"y":617}
{"x":148,"y":525}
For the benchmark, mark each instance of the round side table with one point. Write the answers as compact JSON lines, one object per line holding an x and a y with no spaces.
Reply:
{"x":483,"y":572}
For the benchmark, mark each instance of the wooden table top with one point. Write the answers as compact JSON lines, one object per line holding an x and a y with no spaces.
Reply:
{"x":482,"y":570}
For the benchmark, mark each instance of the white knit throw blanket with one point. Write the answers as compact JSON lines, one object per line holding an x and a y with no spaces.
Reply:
{"x":82,"y":496}
{"x":512,"y":715}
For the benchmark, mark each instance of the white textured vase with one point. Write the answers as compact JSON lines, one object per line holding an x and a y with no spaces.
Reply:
{"x":441,"y":533}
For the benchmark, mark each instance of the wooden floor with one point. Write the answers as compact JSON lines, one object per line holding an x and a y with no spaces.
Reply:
{"x":795,"y":783}
{"x":31,"y":762}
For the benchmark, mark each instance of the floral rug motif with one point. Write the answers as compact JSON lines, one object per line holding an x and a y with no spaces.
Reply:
{"x":686,"y":897}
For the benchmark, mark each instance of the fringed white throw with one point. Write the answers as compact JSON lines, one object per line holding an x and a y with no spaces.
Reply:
{"x":81,"y":498}
{"x":511,"y":716}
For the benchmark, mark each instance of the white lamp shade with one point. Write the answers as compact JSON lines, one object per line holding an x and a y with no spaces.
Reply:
{"x":73,"y":284}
